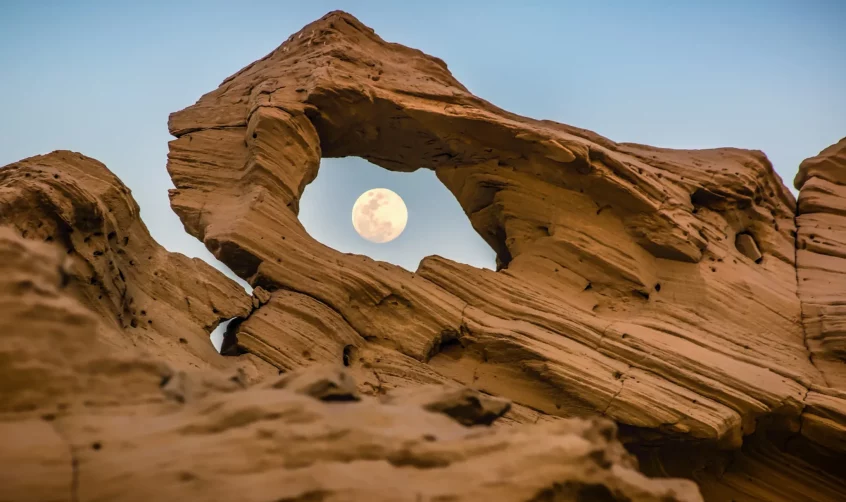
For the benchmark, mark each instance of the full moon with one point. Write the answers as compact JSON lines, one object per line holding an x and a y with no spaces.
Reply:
{"x":379,"y":215}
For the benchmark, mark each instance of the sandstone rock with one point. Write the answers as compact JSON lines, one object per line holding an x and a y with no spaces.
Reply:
{"x":467,"y":406}
{"x":101,"y":424}
{"x":165,"y":303}
{"x":260,"y":297}
{"x":325,"y":383}
{"x":745,"y":243}
{"x":621,"y":290}
{"x":821,"y":259}
{"x":37,"y":462}
{"x":681,"y":293}
{"x":52,"y":352}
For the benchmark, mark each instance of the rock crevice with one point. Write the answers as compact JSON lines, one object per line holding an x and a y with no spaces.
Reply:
{"x":126,"y":437}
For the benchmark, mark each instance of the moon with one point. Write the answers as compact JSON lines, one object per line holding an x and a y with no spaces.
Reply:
{"x":379,"y":215}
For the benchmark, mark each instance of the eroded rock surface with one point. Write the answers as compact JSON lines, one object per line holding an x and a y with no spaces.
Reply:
{"x":656,"y":287}
{"x":682,"y":294}
{"x":83,"y":420}
{"x":147,"y":297}
{"x":821,"y":259}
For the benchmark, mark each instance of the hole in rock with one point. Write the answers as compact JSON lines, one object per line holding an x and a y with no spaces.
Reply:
{"x":219,"y":333}
{"x":745,"y":243}
{"x":436,"y":225}
{"x":451,"y":347}
{"x":347,"y":356}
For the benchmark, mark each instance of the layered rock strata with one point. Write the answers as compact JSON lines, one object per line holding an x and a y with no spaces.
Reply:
{"x":83,"y":420}
{"x":684,"y":294}
{"x":653,"y":286}
{"x":821,"y":259}
{"x":146,"y":297}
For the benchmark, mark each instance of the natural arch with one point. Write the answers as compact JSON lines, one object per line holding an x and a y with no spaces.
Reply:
{"x":437,"y":224}
{"x":618,"y":293}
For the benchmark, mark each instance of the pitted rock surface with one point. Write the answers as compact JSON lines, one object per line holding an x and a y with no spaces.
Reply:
{"x":97,"y":422}
{"x":147,"y":297}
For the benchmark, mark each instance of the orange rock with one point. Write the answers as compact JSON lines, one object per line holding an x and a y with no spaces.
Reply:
{"x":628,"y":284}
{"x":821,"y":259}
{"x":680,"y":293}
{"x":81,"y":419}
{"x":162,"y":302}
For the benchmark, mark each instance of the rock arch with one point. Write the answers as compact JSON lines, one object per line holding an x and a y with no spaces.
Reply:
{"x":712,"y":355}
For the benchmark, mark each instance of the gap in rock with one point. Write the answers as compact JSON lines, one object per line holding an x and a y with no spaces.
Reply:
{"x":436,"y":224}
{"x":206,"y":255}
{"x":219,"y":332}
{"x":200,"y":252}
{"x":179,"y":241}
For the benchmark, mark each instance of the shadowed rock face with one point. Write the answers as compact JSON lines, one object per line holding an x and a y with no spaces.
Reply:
{"x":654,"y":287}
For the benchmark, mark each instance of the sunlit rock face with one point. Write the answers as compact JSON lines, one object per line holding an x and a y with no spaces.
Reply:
{"x":81,"y":419}
{"x":148,"y":298}
{"x":821,"y":259}
{"x":654,"y":287}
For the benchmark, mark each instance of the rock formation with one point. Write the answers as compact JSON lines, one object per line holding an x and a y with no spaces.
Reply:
{"x":165,"y":303}
{"x":682,"y":294}
{"x":81,"y":419}
{"x":656,"y":287}
{"x":821,"y":259}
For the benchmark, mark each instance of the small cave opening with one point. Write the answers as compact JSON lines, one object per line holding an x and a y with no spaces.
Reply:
{"x":436,"y":223}
{"x":747,"y":245}
{"x":348,"y":355}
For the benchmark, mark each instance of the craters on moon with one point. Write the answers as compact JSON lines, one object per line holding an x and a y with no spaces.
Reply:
{"x":379,"y":215}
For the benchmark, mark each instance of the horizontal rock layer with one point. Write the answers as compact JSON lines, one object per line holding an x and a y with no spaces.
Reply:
{"x":821,"y":259}
{"x":107,"y":423}
{"x":656,"y":287}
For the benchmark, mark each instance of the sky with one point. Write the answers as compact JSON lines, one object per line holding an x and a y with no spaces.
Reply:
{"x":101,"y":77}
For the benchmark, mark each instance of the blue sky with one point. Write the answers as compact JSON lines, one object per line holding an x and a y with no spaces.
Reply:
{"x":102,"y":77}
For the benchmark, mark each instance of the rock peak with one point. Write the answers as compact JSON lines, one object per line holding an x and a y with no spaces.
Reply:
{"x":829,"y":165}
